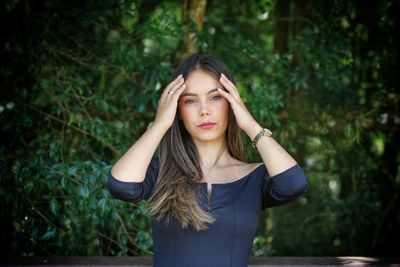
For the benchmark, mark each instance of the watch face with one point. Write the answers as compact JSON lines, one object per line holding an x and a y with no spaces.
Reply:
{"x":264,"y":132}
{"x":268,"y":132}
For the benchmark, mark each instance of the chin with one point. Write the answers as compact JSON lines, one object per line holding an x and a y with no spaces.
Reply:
{"x":206,"y":137}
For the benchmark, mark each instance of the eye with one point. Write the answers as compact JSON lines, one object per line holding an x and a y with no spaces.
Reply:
{"x":216,"y":97}
{"x":189,"y":101}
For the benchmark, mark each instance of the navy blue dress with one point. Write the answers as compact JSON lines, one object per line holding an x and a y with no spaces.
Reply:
{"x":236,"y":206}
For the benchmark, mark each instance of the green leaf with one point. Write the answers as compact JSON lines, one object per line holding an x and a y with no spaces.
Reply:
{"x":72,"y":170}
{"x":53,"y":206}
{"x":49,"y":234}
{"x":84,"y":191}
{"x":64,"y":182}
{"x":102,"y":204}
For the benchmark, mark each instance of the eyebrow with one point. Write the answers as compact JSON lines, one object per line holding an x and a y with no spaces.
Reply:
{"x":191,"y":94}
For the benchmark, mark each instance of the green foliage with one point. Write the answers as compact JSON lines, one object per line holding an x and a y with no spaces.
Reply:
{"x":83,"y":82}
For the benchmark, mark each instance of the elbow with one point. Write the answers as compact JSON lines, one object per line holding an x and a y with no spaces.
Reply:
{"x":300,"y":185}
{"x":291,"y":184}
{"x":290,"y":193}
{"x":126,"y":191}
{"x":115,"y":174}
{"x":111,"y":186}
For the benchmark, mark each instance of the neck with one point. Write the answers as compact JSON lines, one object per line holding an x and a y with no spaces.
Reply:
{"x":213,"y":154}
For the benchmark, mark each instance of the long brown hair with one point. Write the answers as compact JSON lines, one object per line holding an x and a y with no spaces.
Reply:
{"x":176,"y":190}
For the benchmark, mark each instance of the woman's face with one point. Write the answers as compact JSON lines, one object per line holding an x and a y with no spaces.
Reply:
{"x":201,"y":103}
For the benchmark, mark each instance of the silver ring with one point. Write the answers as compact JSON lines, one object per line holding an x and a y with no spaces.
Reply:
{"x":170,"y":92}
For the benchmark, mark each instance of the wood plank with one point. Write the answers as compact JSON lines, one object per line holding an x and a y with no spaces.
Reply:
{"x":147,"y":261}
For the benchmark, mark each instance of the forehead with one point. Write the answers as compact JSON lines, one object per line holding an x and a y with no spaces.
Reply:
{"x":201,"y":82}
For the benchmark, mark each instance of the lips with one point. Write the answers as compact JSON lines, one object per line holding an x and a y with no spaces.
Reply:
{"x":206,"y":125}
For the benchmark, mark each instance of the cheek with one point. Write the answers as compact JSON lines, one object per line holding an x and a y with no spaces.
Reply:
{"x":223,"y":107}
{"x":185,"y":112}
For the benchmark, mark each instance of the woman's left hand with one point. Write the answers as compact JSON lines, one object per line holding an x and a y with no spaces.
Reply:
{"x":243,"y":117}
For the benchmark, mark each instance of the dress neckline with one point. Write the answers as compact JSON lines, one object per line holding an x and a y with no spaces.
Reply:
{"x":236,"y":181}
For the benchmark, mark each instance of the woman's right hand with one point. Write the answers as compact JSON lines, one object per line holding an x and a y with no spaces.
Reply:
{"x":168,"y":104}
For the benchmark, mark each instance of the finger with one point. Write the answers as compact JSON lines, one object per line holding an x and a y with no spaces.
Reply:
{"x":177,"y":85}
{"x":226,"y":79}
{"x":230,"y":86}
{"x":175,"y":81}
{"x":174,"y":90}
{"x":227,"y":95}
{"x":175,"y":93}
{"x":179,"y":91}
{"x":168,"y":88}
{"x":171,"y":86}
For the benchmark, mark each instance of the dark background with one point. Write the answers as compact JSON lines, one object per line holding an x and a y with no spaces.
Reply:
{"x":81,"y":81}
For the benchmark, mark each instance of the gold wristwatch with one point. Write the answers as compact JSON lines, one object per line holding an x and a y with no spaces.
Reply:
{"x":263,"y":132}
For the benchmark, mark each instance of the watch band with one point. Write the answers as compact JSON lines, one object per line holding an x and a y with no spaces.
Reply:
{"x":263,"y":132}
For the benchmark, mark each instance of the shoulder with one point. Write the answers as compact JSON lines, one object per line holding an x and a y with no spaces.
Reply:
{"x":249,"y":167}
{"x":255,"y":165}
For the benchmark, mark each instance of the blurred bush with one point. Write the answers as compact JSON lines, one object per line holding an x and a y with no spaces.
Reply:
{"x":82,"y":82}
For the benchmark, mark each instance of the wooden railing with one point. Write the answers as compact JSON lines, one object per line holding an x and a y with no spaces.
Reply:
{"x":147,"y":261}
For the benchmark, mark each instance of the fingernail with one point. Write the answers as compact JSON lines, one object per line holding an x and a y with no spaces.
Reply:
{"x":180,"y":75}
{"x":223,"y":75}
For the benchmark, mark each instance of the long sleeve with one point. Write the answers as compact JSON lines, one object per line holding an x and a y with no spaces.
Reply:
{"x":134,"y":191}
{"x":283,"y":187}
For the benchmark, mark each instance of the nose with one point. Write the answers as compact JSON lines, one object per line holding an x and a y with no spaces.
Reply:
{"x":204,"y":110}
{"x":204,"y":114}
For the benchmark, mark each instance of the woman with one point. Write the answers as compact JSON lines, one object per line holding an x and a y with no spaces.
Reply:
{"x":204,"y":199}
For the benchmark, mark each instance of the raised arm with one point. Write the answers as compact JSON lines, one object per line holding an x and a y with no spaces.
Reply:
{"x":276,"y":158}
{"x":133,"y":175}
{"x":285,"y":180}
{"x":132,"y":166}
